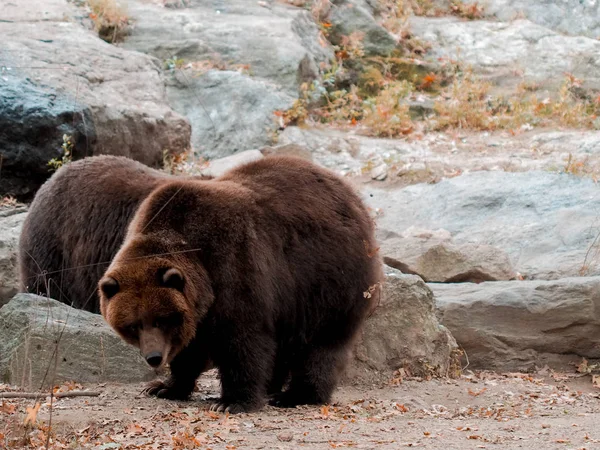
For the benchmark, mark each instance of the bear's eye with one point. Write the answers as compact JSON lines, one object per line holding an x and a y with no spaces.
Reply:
{"x":171,"y":278}
{"x":109,"y":287}
{"x":131,"y":330}
{"x":166,"y":322}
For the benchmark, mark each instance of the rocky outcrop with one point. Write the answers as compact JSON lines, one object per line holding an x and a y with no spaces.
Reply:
{"x":61,"y":79}
{"x":238,"y":62}
{"x":523,"y":325}
{"x":44,"y":342}
{"x":546,"y":222}
{"x":404,"y":333}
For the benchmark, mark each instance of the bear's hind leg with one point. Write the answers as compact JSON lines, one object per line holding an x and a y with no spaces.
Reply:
{"x":315,"y":378}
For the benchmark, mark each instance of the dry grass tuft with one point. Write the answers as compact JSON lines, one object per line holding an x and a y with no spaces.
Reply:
{"x":110,"y":19}
{"x":468,"y":104}
{"x":471,"y":11}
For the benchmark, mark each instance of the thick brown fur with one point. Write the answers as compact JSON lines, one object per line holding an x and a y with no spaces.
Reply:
{"x":76,"y":224}
{"x":263,"y":271}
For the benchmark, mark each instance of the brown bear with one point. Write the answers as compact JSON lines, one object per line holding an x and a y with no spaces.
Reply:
{"x":267,"y":272}
{"x":77,"y":222}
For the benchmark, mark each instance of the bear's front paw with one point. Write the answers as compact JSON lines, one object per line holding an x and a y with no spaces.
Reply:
{"x":168,"y":390}
{"x":233,"y":408}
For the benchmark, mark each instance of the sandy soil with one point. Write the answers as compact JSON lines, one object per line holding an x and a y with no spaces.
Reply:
{"x":484,"y":410}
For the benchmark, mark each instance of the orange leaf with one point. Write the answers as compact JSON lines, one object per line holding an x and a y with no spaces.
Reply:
{"x":7,"y":408}
{"x":476,"y":393}
{"x":401,"y":408}
{"x":32,"y":413}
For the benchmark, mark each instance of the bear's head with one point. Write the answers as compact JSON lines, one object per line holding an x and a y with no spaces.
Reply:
{"x":153,"y":296}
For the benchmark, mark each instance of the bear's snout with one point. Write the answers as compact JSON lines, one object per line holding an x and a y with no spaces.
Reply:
{"x":153,"y":346}
{"x":154,"y":358}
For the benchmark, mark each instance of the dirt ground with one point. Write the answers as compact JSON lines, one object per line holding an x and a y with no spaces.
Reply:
{"x":482,"y":410}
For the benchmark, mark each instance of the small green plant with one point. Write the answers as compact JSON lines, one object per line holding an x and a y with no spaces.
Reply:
{"x":174,"y":63}
{"x":67,"y":154}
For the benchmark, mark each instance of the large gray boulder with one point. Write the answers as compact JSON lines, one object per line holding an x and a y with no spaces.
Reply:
{"x":404,"y":333}
{"x":44,"y":342}
{"x":11,"y":222}
{"x":34,"y":119}
{"x":60,"y":78}
{"x":230,"y":112}
{"x":523,"y":325}
{"x":546,"y":222}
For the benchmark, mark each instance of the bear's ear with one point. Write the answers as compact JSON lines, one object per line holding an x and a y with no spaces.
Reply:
{"x":109,"y":287}
{"x":171,"y":278}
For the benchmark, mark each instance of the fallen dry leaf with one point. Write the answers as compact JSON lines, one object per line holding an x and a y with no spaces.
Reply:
{"x":7,"y":408}
{"x":32,"y":413}
{"x":401,"y":408}
{"x":476,"y":393}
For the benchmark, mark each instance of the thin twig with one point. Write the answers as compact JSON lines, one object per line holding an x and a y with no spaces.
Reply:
{"x":36,"y":395}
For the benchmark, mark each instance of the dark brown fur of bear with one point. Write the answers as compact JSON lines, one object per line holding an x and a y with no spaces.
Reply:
{"x":263,"y":271}
{"x":77,"y":222}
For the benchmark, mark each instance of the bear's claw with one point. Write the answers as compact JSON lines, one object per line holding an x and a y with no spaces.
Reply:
{"x":231,"y":408}
{"x":166,"y":390}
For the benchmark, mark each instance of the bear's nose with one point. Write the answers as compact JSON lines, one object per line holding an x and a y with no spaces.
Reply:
{"x":154,"y":358}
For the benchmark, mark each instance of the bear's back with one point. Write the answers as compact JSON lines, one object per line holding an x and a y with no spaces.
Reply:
{"x":76,"y":223}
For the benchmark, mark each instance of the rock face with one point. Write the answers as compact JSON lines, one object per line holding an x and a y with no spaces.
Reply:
{"x":547,"y":223}
{"x":11,"y":222}
{"x":88,"y":350}
{"x":403,"y":332}
{"x":512,"y":326}
{"x":434,"y":257}
{"x":278,"y":46}
{"x":59,"y":79}
{"x":509,"y":52}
